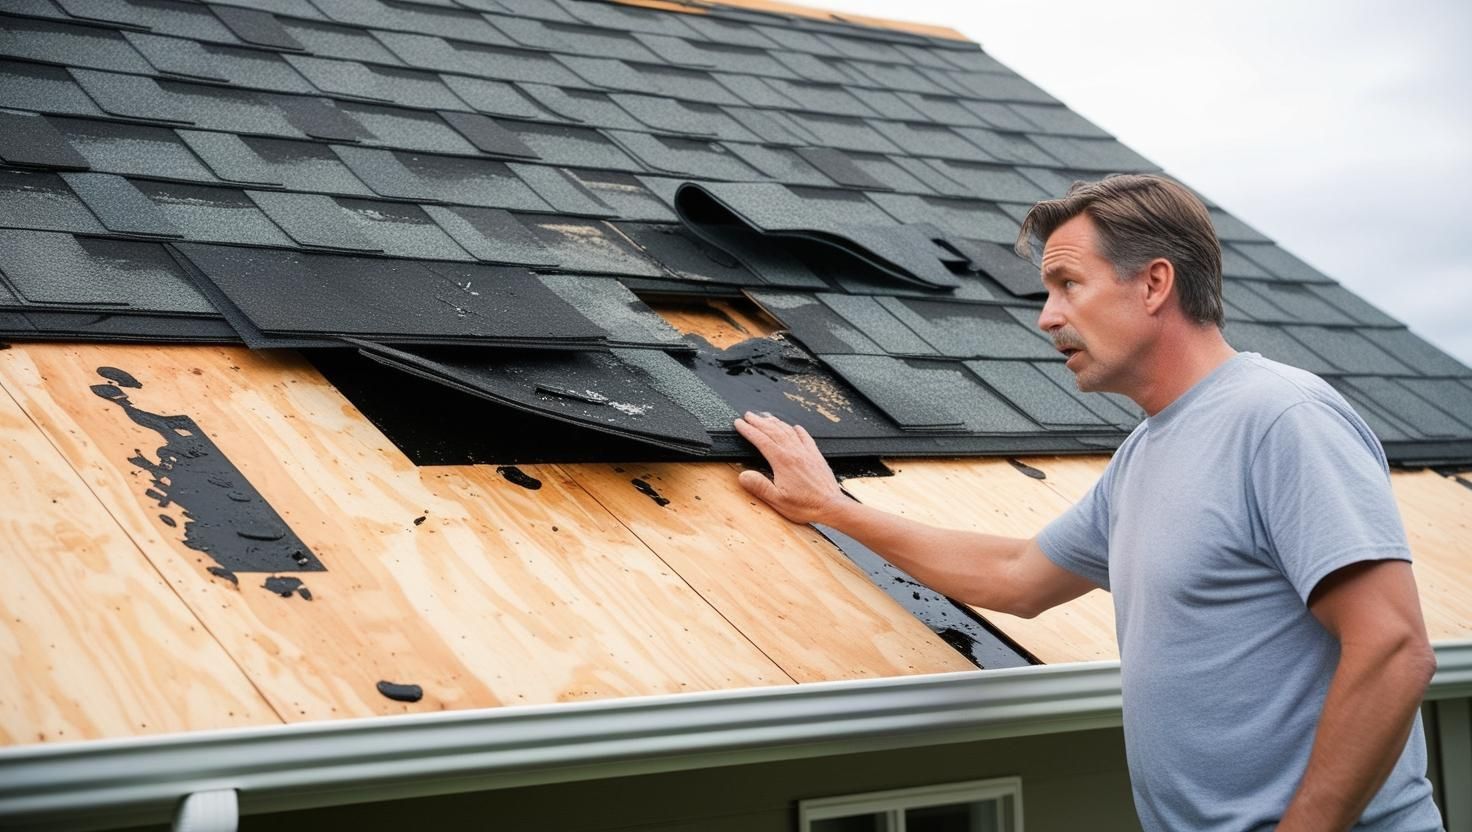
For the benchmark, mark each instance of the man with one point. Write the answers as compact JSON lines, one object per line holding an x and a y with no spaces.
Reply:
{"x":1273,"y":651}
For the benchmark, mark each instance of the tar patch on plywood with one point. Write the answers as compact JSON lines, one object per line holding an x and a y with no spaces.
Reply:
{"x":401,"y":692}
{"x":225,"y":517}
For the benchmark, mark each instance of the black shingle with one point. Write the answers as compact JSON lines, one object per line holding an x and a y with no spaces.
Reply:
{"x":312,"y":220}
{"x":131,"y":96}
{"x":1414,"y":351}
{"x":492,"y":235}
{"x":120,"y":206}
{"x":1230,"y":228}
{"x":409,"y":87}
{"x":889,"y":105}
{"x":596,"y":109}
{"x":257,"y":27}
{"x":1001,"y":263}
{"x":900,"y":389}
{"x":496,"y":98}
{"x":672,"y":116}
{"x":589,"y":246}
{"x":1280,"y":263}
{"x":42,"y":201}
{"x":27,"y":139}
{"x":817,"y":326}
{"x":840,"y":167}
{"x":869,"y":317}
{"x":320,"y":118}
{"x":561,"y":190}
{"x":434,"y":178}
{"x":964,"y":218}
{"x":51,"y":268}
{"x":626,"y":318}
{"x":132,"y":149}
{"x":62,"y":43}
{"x":219,"y":215}
{"x":1034,"y":393}
{"x":572,"y":38}
{"x":45,"y":89}
{"x":1274,"y":342}
{"x":1408,"y":407}
{"x":407,"y":129}
{"x":780,"y":164}
{"x":998,"y":183}
{"x":821,"y":98}
{"x":253,"y":160}
{"x":166,"y":17}
{"x":968,"y":330}
{"x":488,"y":135}
{"x":676,"y":249}
{"x":178,"y":56}
{"x":400,"y":230}
{"x":846,"y":133}
{"x":1101,"y":405}
{"x":706,"y":160}
{"x":1006,"y":147}
{"x":559,"y":144}
{"x":1347,"y":350}
{"x":628,"y":196}
{"x":672,"y":82}
{"x":329,"y":40}
{"x":1234,"y":264}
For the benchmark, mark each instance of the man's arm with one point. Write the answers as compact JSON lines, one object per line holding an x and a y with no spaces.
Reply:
{"x":1006,"y":574}
{"x":1385,"y":663}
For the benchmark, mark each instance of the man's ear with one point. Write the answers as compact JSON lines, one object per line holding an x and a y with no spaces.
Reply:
{"x":1158,"y":283}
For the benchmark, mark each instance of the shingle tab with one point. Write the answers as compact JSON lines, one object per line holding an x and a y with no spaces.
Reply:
{"x":256,"y":26}
{"x":821,"y":98}
{"x":400,"y":230}
{"x":45,"y":89}
{"x":589,"y":246}
{"x":42,"y":201}
{"x":120,"y":206}
{"x":1279,"y":263}
{"x":52,"y":268}
{"x":671,"y":82}
{"x":1007,"y":147}
{"x":131,"y":96}
{"x":488,"y":135}
{"x":560,"y":144}
{"x":706,"y":160}
{"x":572,"y":38}
{"x":1347,"y":350}
{"x":1450,"y":396}
{"x":177,"y":56}
{"x":496,"y":98}
{"x":627,"y":319}
{"x":1034,"y":393}
{"x":846,"y":133}
{"x":672,"y":116}
{"x":27,"y":139}
{"x":220,"y":215}
{"x":817,"y":326}
{"x":561,"y":190}
{"x":492,"y":235}
{"x":434,"y":178}
{"x":878,"y":324}
{"x":254,"y":160}
{"x":968,"y":330}
{"x":964,"y":218}
{"x":329,"y":40}
{"x":676,"y":249}
{"x":780,"y":164}
{"x":320,"y":118}
{"x":407,"y":129}
{"x":890,"y":384}
{"x":997,"y":183}
{"x":312,"y":220}
{"x":81,"y":46}
{"x":839,"y":167}
{"x":1408,"y":407}
{"x":1352,"y":305}
{"x":1414,"y":351}
{"x":168,"y":17}
{"x":627,"y":195}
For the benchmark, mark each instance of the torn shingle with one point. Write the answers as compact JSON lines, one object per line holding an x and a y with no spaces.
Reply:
{"x":492,"y":235}
{"x":120,"y":206}
{"x":256,"y":26}
{"x":30,"y":140}
{"x":964,"y":330}
{"x":817,"y":326}
{"x":52,"y":268}
{"x":41,"y":201}
{"x":312,"y":220}
{"x":219,"y":215}
{"x":1027,"y":387}
{"x":682,"y":386}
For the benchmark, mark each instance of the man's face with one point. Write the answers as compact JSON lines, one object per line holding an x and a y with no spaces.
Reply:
{"x":1094,"y":318}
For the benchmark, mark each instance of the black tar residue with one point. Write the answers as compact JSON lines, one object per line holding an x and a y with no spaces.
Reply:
{"x":420,"y":519}
{"x":1028,"y":469}
{"x":222,"y":572}
{"x":853,"y":467}
{"x":224,"y":516}
{"x":519,"y":477}
{"x":401,"y":693}
{"x":286,"y":587}
{"x":648,"y":490}
{"x":762,"y":354}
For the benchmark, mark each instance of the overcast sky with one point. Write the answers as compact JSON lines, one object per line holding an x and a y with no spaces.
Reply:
{"x":1342,"y":129}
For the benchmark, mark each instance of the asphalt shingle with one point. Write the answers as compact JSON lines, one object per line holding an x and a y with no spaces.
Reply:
{"x":312,"y":220}
{"x":41,"y":201}
{"x":1027,"y":387}
{"x":255,"y":160}
{"x":492,"y":235}
{"x":966,"y":330}
{"x":60,"y":269}
{"x":433,"y":178}
{"x":31,"y":140}
{"x":120,"y":206}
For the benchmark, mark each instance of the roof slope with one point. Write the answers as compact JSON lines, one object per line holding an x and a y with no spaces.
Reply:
{"x":471,"y":192}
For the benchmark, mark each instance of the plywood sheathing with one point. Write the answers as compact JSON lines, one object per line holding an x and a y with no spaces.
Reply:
{"x":499,"y":595}
{"x":991,"y":496}
{"x":95,"y":642}
{"x":723,"y":323}
{"x":803,"y":11}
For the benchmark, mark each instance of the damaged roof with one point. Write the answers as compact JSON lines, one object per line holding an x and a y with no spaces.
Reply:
{"x":487,"y":194}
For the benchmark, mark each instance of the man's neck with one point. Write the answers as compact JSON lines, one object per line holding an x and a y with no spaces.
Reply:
{"x":1177,"y":363}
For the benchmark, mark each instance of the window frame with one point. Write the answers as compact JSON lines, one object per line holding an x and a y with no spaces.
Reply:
{"x":895,"y":802}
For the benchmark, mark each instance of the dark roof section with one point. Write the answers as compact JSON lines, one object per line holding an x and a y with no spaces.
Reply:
{"x":468,"y":191}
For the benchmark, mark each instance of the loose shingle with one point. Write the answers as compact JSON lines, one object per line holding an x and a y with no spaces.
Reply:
{"x":678,"y":382}
{"x":961,"y":330}
{"x":42,"y":201}
{"x":312,"y":220}
{"x":1000,"y":263}
{"x":307,"y":166}
{"x":561,"y":190}
{"x":45,"y":89}
{"x":120,"y":206}
{"x":434,"y":178}
{"x":706,"y":160}
{"x":220,"y":215}
{"x":492,"y":235}
{"x":1034,"y":393}
{"x":27,"y":139}
{"x":256,"y":26}
{"x":866,"y":315}
{"x":676,"y":249}
{"x":1347,"y":350}
{"x":52,"y":268}
{"x":1414,"y":351}
{"x":320,"y":118}
{"x":78,"y":46}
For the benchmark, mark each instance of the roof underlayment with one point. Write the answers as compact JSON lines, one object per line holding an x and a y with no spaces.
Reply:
{"x":468,"y":192}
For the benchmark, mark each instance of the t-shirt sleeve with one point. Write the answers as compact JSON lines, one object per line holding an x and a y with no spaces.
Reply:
{"x":1078,"y":540}
{"x":1321,"y":490}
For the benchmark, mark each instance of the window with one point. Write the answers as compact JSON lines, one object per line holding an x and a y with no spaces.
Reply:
{"x":977,"y":806}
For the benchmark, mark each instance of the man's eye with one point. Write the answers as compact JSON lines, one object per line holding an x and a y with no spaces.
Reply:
{"x":1069,"y":284}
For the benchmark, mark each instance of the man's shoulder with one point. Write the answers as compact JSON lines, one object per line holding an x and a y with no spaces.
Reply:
{"x":1262,"y":390}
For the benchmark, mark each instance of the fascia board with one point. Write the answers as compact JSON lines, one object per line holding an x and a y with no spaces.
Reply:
{"x":120,"y":782}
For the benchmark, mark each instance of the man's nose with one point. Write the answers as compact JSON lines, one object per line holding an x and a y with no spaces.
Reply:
{"x":1049,"y":319}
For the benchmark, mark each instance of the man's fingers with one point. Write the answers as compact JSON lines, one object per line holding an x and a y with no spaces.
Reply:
{"x":778,"y":435}
{"x":757,"y":484}
{"x":807,"y":440}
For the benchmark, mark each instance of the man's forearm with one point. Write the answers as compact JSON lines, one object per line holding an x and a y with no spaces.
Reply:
{"x":967,"y":566}
{"x":1367,"y":718}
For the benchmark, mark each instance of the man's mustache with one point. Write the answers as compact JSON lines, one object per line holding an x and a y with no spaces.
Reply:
{"x":1067,"y":339}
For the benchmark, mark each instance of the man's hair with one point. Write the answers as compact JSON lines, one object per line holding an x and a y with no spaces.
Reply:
{"x":1141,"y":217}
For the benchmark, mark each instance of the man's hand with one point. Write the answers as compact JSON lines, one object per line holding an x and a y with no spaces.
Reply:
{"x":802,"y":488}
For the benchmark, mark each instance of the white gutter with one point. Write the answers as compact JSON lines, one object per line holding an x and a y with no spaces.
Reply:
{"x":122,"y":782}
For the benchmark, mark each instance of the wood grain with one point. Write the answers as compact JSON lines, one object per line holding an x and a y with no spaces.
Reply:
{"x":1437,"y":512}
{"x":991,"y":496}
{"x":470,"y":605}
{"x":95,"y":643}
{"x":794,"y":594}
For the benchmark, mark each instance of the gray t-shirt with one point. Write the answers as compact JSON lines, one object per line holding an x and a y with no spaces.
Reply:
{"x":1211,"y":526}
